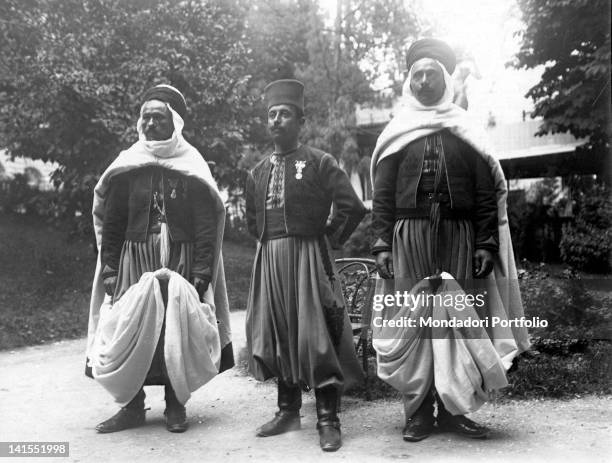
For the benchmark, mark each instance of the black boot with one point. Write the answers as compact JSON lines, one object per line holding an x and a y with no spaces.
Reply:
{"x":130,"y":416}
{"x":328,"y":423}
{"x":421,"y":424}
{"x":287,"y":418}
{"x":175,"y":413}
{"x":459,"y":423}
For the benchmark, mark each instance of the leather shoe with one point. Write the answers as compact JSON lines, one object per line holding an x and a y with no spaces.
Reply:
{"x":330,"y":438}
{"x":283,"y":421}
{"x":417,"y":428}
{"x":176,"y":418}
{"x":461,"y":425}
{"x":125,"y":418}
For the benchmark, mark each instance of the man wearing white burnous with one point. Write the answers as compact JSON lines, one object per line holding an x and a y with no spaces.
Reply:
{"x":441,"y":229}
{"x":159,"y":313}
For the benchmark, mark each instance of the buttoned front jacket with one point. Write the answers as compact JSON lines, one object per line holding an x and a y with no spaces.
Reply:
{"x":469,"y":192}
{"x":313,"y":181}
{"x":127,"y":215}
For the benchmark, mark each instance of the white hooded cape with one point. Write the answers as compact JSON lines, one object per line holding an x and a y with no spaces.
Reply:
{"x":195,"y":333}
{"x":465,"y":392}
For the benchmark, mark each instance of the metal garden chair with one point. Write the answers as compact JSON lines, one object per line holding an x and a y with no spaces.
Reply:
{"x":358,"y":277}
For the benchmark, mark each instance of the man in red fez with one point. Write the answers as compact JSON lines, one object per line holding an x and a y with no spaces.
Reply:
{"x":297,"y":325}
{"x":439,"y":213}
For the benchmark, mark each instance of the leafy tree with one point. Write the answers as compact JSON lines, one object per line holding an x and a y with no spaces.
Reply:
{"x":73,"y":73}
{"x":366,"y":44}
{"x":571,"y":38}
{"x":587,"y":242}
{"x":337,"y":62}
{"x":276,"y":32}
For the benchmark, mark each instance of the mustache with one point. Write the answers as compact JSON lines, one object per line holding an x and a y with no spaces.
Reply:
{"x":149,"y":130}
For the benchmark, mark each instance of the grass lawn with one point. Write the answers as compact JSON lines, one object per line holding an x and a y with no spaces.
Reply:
{"x":46,"y":276}
{"x":570,"y":357}
{"x":238,"y":261}
{"x":45,"y":280}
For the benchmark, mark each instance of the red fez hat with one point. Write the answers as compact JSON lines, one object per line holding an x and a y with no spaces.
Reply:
{"x":168,"y":94}
{"x":432,"y":48}
{"x":285,"y":91}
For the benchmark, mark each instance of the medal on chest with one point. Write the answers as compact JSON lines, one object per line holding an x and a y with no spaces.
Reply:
{"x":173,"y":184}
{"x":299,"y":166}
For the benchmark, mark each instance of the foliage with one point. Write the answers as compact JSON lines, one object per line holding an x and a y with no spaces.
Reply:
{"x":236,"y":230}
{"x":573,"y":306}
{"x":546,"y":375}
{"x":570,"y":224}
{"x":571,"y":38}
{"x":361,"y":241}
{"x":18,"y":196}
{"x":290,"y":39}
{"x":343,"y":64}
{"x":536,"y":218}
{"x":587,"y":243}
{"x":46,"y":289}
{"x":572,"y":355}
{"x":74,"y":72}
{"x":277,"y":31}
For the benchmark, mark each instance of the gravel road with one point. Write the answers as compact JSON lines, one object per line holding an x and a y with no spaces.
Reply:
{"x":44,"y":396}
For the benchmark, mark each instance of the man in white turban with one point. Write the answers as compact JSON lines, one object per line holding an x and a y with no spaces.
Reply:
{"x":159,"y":311}
{"x":439,"y":213}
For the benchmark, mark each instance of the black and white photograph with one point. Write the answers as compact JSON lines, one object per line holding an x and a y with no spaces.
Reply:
{"x":305,"y":230}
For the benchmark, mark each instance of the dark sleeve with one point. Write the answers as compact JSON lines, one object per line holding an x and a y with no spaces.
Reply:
{"x":251,"y":212}
{"x":383,"y":202}
{"x":205,"y":230}
{"x":348,"y":209}
{"x":114,"y":224}
{"x":485,"y":220}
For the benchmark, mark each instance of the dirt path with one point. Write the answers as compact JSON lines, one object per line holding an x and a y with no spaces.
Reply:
{"x":45,"y":397}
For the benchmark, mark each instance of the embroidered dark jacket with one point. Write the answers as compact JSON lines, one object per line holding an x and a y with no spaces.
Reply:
{"x":308,"y":199}
{"x":471,"y":192}
{"x":128,"y":213}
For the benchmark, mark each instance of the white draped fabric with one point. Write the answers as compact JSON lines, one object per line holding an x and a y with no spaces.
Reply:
{"x":463,"y":371}
{"x":116,"y":342}
{"x":128,"y":332}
